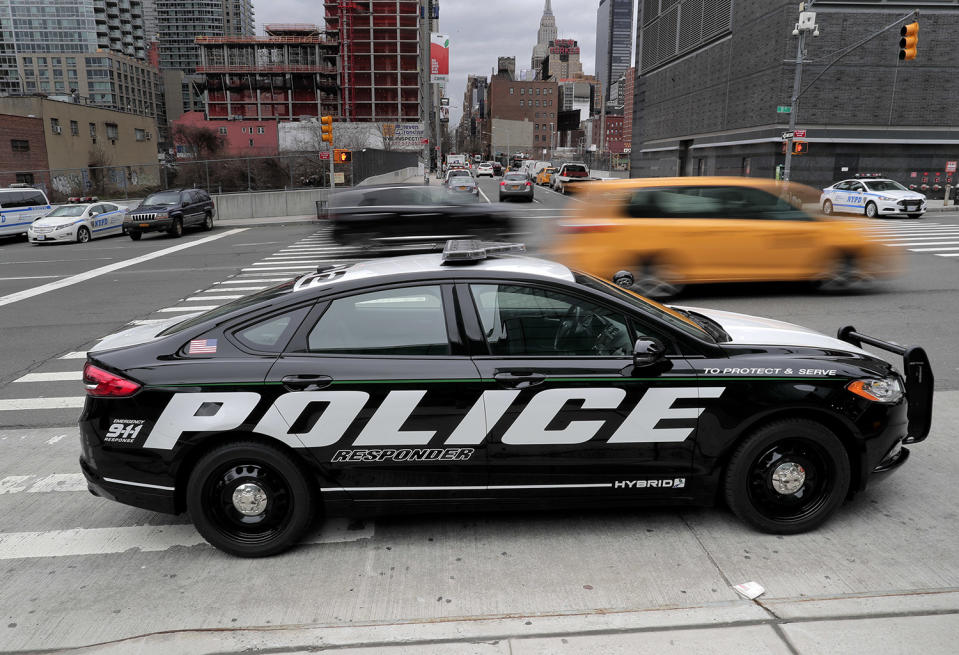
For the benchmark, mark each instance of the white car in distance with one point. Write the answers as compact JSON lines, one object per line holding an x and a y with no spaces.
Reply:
{"x":77,"y":222}
{"x":486,"y":168}
{"x":872,"y":197}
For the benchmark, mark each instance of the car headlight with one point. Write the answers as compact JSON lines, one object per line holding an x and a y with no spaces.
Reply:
{"x":887,"y":390}
{"x":886,"y":198}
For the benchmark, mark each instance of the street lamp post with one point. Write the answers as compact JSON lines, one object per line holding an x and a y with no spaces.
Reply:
{"x":806,"y":24}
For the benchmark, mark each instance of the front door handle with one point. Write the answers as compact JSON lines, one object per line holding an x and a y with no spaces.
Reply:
{"x":519,"y":380}
{"x":306,"y":382}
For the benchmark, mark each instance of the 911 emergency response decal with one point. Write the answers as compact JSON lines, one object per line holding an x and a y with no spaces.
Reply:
{"x":220,"y":411}
{"x":124,"y":431}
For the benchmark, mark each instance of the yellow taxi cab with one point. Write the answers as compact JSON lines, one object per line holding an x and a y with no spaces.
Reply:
{"x":655,"y":235}
{"x":545,"y":176}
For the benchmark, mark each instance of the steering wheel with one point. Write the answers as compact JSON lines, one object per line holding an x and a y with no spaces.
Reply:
{"x":571,"y":324}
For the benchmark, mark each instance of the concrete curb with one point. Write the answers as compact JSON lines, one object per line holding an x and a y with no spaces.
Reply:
{"x":779,"y":626}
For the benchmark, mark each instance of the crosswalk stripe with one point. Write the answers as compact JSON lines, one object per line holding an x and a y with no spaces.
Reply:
{"x":15,"y":404}
{"x":202,"y":298}
{"x":933,"y":249}
{"x":282,"y":268}
{"x":241,"y":288}
{"x":13,"y":484}
{"x":145,"y":538}
{"x":51,"y":377}
{"x":77,"y":354}
{"x":948,"y":254}
{"x":196,"y":308}
{"x":924,"y":243}
{"x":248,"y":281}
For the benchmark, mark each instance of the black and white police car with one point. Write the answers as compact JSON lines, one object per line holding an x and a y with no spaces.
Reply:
{"x":482,"y":379}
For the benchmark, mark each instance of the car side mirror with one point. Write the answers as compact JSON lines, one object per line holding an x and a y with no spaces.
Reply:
{"x":648,"y":351}
{"x":92,"y":214}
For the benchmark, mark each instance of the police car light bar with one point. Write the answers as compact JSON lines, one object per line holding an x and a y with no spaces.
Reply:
{"x":467,"y":250}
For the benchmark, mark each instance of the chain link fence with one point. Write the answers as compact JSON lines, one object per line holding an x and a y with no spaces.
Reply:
{"x":226,"y":175}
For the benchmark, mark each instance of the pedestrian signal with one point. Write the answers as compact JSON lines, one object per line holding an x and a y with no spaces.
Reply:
{"x":800,"y":147}
{"x":342,"y":156}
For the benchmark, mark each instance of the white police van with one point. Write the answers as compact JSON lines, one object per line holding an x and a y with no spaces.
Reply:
{"x":19,"y":207}
{"x":872,"y":197}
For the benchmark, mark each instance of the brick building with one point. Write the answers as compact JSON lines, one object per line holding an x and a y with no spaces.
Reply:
{"x":23,"y":151}
{"x":247,"y":138}
{"x":615,"y":137}
{"x":710,"y":78}
{"x":522,"y":116}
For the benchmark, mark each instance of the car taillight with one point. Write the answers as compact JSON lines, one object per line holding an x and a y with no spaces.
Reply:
{"x":102,"y":383}
{"x":527,"y":182}
{"x":503,"y":183}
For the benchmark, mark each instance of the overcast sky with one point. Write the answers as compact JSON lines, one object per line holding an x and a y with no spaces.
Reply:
{"x":479,"y":30}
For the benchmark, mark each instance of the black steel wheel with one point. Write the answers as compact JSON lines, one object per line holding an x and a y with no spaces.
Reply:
{"x":788,"y":477}
{"x":250,"y":499}
{"x":827,"y":208}
{"x":83,"y":234}
{"x":176,"y":230}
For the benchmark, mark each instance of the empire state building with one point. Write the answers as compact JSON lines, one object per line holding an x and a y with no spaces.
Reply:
{"x":546,"y":33}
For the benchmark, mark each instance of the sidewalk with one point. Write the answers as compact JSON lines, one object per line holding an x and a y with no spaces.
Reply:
{"x":913,"y":623}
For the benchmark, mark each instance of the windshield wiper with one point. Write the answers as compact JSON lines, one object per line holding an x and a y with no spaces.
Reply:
{"x":714,"y":329}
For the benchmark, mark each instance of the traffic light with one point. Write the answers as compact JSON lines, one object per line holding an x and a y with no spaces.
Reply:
{"x":800,"y":147}
{"x":909,"y":43}
{"x":342,"y":156}
{"x":326,"y":126}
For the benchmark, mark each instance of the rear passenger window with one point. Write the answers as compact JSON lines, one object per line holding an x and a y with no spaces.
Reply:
{"x":35,"y":199}
{"x":12,"y":200}
{"x":272,"y":334}
{"x":407,"y":321}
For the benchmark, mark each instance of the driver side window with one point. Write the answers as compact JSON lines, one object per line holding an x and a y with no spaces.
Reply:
{"x":523,"y":321}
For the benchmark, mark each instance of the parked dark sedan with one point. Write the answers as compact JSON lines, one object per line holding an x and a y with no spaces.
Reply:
{"x":392,"y":217}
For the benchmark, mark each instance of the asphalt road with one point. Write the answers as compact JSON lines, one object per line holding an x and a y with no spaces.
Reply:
{"x":883,"y":575}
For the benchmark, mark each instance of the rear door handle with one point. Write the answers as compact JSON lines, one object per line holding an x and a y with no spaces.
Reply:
{"x":519,"y":380}
{"x":306,"y":382}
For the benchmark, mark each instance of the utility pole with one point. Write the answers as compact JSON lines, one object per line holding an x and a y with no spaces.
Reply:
{"x":426,"y":13}
{"x":806,"y":24}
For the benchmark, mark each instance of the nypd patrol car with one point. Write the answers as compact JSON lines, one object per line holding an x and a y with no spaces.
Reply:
{"x":872,"y":197}
{"x":77,"y":222}
{"x":481,"y":379}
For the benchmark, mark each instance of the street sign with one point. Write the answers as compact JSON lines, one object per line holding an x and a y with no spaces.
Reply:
{"x":781,"y":109}
{"x":950,"y":167}
{"x":444,"y":102}
{"x":324,"y":155}
{"x":789,"y":135}
{"x":800,"y":134}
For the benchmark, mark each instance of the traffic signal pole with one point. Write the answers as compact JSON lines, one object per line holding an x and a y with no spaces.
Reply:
{"x":805,"y":27}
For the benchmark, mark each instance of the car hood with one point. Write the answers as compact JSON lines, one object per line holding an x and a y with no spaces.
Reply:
{"x":49,"y":221}
{"x":151,"y":208}
{"x":899,"y":195}
{"x":138,"y":334}
{"x":760,"y":331}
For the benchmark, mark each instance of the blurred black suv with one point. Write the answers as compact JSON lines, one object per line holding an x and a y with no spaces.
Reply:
{"x":170,"y":211}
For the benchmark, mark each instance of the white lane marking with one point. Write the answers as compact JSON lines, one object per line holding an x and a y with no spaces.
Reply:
{"x":926,"y":235}
{"x":56,"y":261}
{"x":932,"y":249}
{"x":299,"y":259}
{"x":14,"y":484}
{"x":51,"y":377}
{"x":922,"y":243}
{"x":280,"y":268}
{"x":248,"y":281}
{"x":31,"y":277}
{"x":204,"y":298}
{"x":153,"y":321}
{"x":109,"y":268}
{"x":76,"y":354}
{"x":238,"y":289}
{"x":17,"y":404}
{"x":259,"y":243}
{"x":53,"y":440}
{"x":485,"y":197}
{"x":948,"y":254}
{"x":196,"y":308}
{"x":145,"y":538}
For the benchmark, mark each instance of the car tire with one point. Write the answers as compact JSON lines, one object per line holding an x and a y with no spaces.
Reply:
{"x":844,"y":275}
{"x":655,"y":280}
{"x":827,"y":208}
{"x":277,"y":487}
{"x":176,"y":230}
{"x":208,"y":222}
{"x":872,"y":211}
{"x":83,"y":234}
{"x":788,"y":477}
{"x":136,"y":236}
{"x":914,"y":215}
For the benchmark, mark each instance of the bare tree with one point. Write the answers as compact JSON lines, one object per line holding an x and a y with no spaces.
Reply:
{"x":98,"y":161}
{"x":199,"y":142}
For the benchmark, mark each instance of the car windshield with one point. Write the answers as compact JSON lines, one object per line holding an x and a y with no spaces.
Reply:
{"x":163,"y":198}
{"x":885,"y":185}
{"x":222,"y":310}
{"x":662,"y":312}
{"x":68,"y":210}
{"x":459,"y":171}
{"x":515,"y":177}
